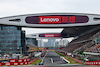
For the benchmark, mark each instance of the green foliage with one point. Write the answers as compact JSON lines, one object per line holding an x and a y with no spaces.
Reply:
{"x":36,"y":61}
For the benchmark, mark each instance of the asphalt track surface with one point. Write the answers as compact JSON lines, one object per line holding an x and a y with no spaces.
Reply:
{"x":55,"y":66}
{"x":68,"y":66}
{"x":51,"y":58}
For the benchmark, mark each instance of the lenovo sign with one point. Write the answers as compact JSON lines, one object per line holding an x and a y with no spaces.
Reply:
{"x":49,"y":35}
{"x":56,"y":19}
{"x":63,"y":19}
{"x":49,"y":19}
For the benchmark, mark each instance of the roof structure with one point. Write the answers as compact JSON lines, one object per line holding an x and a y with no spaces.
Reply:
{"x":77,"y":31}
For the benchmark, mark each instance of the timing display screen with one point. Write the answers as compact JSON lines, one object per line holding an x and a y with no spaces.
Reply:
{"x":49,"y":35}
{"x":63,"y":19}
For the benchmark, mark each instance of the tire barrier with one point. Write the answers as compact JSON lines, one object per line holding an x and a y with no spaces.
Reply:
{"x":25,"y":63}
{"x":21,"y":64}
{"x":7,"y":64}
{"x":16,"y":62}
{"x":92,"y":62}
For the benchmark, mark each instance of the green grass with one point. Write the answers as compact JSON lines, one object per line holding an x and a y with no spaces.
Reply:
{"x":70,"y":60}
{"x":67,"y":58}
{"x":59,"y":53}
{"x":36,"y":61}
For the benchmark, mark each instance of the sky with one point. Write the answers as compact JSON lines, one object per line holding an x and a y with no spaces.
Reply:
{"x":20,"y":7}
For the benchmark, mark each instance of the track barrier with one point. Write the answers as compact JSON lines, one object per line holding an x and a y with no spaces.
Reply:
{"x":26,"y":63}
{"x":21,"y":64}
{"x":0,"y":64}
{"x":7,"y":64}
{"x":43,"y":54}
{"x":17,"y":62}
{"x":92,"y":62}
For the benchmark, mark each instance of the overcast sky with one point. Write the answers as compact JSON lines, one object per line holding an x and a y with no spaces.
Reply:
{"x":20,"y":7}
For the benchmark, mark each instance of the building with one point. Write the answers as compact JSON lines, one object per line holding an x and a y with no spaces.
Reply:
{"x":40,"y":43}
{"x":31,"y":43}
{"x":63,"y":42}
{"x":12,"y":40}
{"x":50,"y":43}
{"x":56,"y":43}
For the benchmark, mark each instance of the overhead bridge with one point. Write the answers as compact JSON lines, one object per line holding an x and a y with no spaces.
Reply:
{"x":74,"y":24}
{"x":45,"y":35}
{"x":52,"y":20}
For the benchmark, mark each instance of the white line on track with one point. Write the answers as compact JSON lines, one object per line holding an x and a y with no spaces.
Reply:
{"x":44,"y":57}
{"x":51,"y":60}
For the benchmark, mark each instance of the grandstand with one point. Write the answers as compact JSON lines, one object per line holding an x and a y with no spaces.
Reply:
{"x":95,"y":48}
{"x":87,"y":42}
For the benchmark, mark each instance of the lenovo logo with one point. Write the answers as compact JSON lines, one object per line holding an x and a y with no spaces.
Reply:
{"x":49,"y":35}
{"x":52,"y":35}
{"x":49,"y":19}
